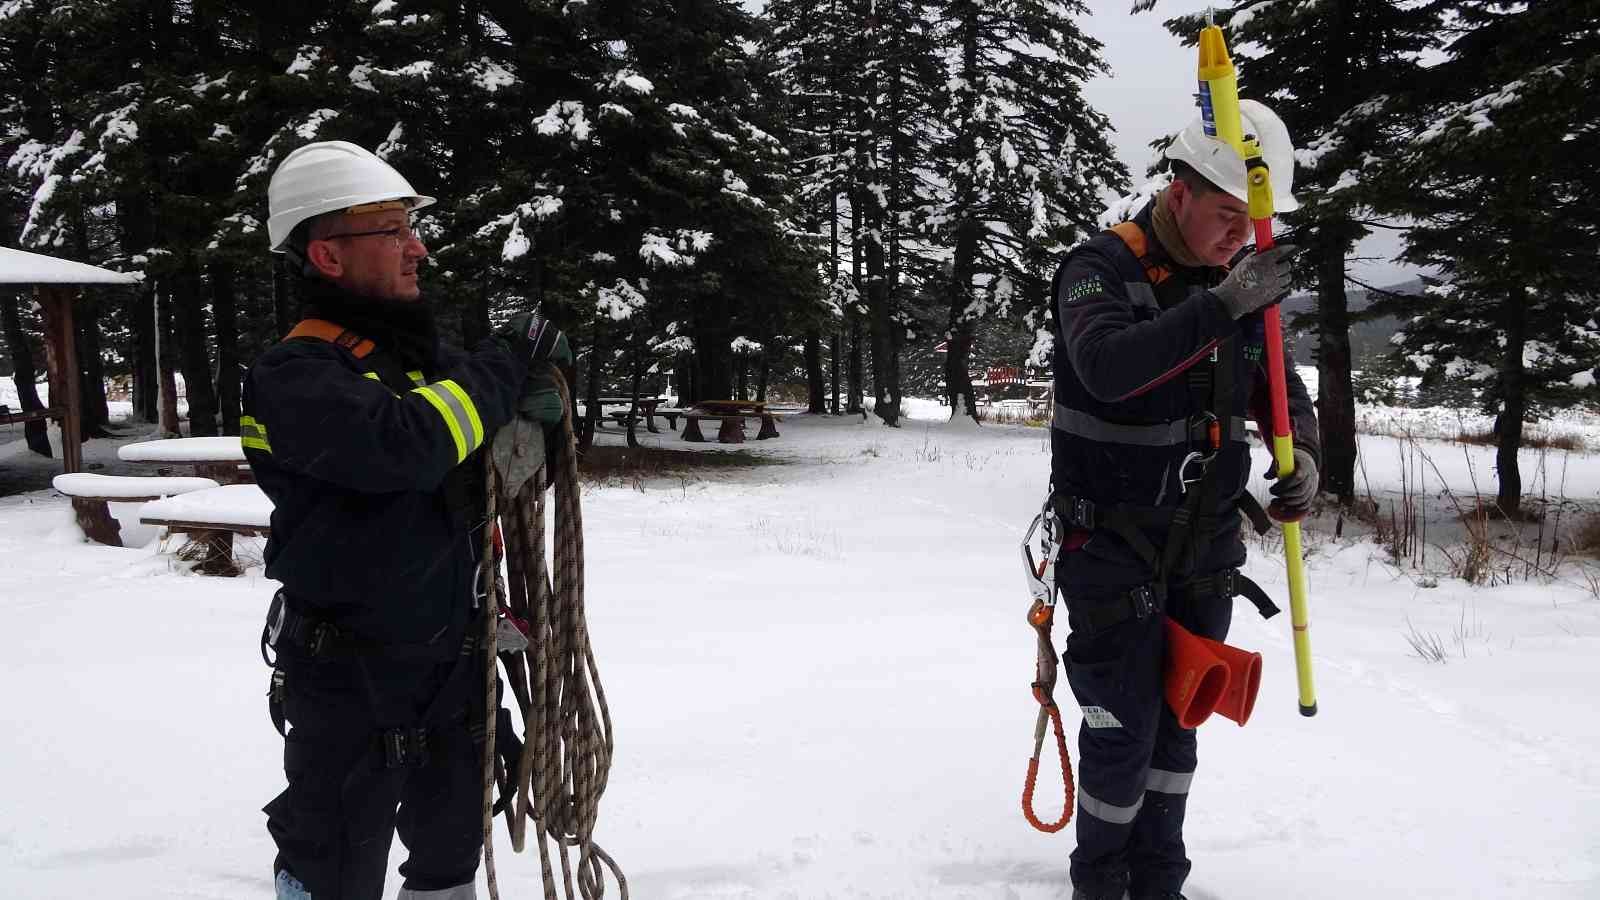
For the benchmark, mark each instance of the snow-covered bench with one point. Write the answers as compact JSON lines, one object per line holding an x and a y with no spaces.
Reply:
{"x":90,"y":492}
{"x":211,"y":518}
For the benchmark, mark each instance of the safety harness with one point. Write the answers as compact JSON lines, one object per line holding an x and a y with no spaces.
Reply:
{"x":1067,"y":520}
{"x":292,"y":632}
{"x":1213,"y":422}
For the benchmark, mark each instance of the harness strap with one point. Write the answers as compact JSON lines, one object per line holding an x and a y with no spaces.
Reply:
{"x":1172,"y":433}
{"x":333,"y":333}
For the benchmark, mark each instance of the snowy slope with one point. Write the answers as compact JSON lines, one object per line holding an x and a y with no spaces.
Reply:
{"x":819,"y":673}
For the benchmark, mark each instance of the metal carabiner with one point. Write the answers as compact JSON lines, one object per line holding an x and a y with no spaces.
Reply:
{"x":1195,"y":456}
{"x":1040,"y":574}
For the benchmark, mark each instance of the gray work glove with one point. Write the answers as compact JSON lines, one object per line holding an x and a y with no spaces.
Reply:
{"x":1258,"y":280}
{"x":1292,"y":496}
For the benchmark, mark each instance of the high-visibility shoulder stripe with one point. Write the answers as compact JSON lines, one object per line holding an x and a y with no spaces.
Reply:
{"x":253,"y":434}
{"x":333,"y":333}
{"x":459,"y":414}
{"x":372,"y":375}
{"x":416,"y":377}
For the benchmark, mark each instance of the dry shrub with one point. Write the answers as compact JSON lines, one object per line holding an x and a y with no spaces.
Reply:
{"x":1536,"y":440}
{"x":630,"y":465}
{"x":1586,"y":537}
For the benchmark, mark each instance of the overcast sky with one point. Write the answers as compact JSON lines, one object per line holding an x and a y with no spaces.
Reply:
{"x":1150,"y":94}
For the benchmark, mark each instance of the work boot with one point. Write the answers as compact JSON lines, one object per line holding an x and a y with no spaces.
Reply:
{"x":1162,"y":895}
{"x":1086,"y":894}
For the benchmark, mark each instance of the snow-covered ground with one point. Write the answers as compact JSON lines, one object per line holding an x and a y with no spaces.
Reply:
{"x":819,"y":673}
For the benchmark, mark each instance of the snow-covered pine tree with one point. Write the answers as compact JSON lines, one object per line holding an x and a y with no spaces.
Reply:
{"x":892,"y":87}
{"x":1021,"y":168}
{"x":1326,"y":67}
{"x":653,"y":208}
{"x":1498,"y":172}
{"x":804,"y":40}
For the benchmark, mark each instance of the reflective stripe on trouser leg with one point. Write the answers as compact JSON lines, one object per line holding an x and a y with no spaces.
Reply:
{"x":1157,"y":858}
{"x":1118,"y":671}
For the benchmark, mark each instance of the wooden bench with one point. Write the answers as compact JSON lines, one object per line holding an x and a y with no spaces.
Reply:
{"x":210,"y":519}
{"x":731,"y":429}
{"x":91,"y":492}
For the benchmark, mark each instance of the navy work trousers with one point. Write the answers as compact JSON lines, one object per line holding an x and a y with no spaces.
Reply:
{"x":336,"y":820}
{"x":1135,"y":763}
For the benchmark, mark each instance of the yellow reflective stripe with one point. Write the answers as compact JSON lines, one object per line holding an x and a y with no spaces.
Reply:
{"x":469,"y":406}
{"x":372,"y":375}
{"x":416,"y":377}
{"x":459,"y":414}
{"x":253,"y":434}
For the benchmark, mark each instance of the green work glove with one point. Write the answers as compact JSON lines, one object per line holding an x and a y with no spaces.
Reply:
{"x":536,"y":340}
{"x":541,"y":401}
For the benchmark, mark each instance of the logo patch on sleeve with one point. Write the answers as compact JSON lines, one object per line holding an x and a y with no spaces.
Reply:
{"x":1085,"y":287}
{"x":1099,"y":717}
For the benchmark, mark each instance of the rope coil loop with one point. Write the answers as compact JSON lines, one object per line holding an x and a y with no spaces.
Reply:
{"x":567,"y":734}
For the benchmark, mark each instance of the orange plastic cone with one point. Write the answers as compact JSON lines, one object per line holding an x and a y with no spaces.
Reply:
{"x":1197,"y":678}
{"x":1244,"y":679}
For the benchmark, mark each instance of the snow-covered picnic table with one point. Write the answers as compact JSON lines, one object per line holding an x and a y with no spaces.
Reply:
{"x":220,"y":457}
{"x":90,"y":492}
{"x":211,"y":518}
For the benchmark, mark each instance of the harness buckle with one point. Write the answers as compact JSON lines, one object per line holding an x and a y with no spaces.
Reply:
{"x":1227,"y":586}
{"x":405,"y":748}
{"x":320,"y":633}
{"x":1143,"y":600}
{"x":276,"y":615}
{"x":1080,"y":514}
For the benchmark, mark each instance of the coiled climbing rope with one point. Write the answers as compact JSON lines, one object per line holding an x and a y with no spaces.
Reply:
{"x":568,"y":744}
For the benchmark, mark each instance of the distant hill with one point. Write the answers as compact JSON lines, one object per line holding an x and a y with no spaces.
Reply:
{"x":1367,"y":339}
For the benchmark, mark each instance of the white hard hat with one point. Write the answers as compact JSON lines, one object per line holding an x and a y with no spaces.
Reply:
{"x":1221,"y":165}
{"x":330,"y":176}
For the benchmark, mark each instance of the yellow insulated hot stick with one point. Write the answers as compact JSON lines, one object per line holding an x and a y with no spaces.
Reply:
{"x":1219,"y":104}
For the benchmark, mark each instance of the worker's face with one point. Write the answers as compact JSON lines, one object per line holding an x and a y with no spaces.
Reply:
{"x":1215,"y":224}
{"x":382,"y":266}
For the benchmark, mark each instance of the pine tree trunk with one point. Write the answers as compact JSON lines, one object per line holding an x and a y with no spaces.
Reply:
{"x":761,"y":379}
{"x":94,"y":414}
{"x":591,"y":396}
{"x":193,"y":358}
{"x":816,"y":395}
{"x":1336,"y":404}
{"x":1513,"y":407}
{"x":145,"y":382}
{"x":36,"y":432}
{"x":224,"y":313}
{"x":833,"y":364}
{"x":165,"y":357}
{"x":135,"y":223}
{"x":854,"y":375}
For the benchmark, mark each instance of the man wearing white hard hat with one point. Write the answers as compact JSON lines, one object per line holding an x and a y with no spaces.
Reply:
{"x":367,"y":434}
{"x":1158,"y":363}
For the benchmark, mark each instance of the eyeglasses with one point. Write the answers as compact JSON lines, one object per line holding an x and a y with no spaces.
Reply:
{"x":401,"y":235}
